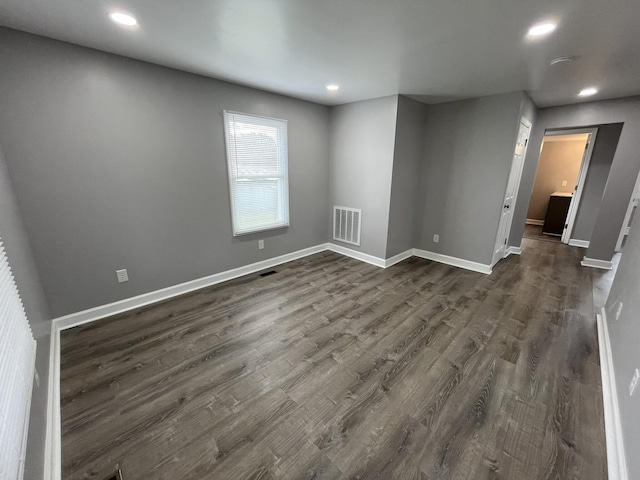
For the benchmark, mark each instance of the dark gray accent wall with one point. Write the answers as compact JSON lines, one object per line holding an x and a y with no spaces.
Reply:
{"x":601,"y":159}
{"x":118,"y":163}
{"x":624,"y":335}
{"x":362,"y":150}
{"x":405,"y":184}
{"x":622,"y":175}
{"x":468,"y":154}
{"x":18,"y":250}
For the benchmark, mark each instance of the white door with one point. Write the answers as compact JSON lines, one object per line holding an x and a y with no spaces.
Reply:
{"x":582,"y":177}
{"x":506,"y":215}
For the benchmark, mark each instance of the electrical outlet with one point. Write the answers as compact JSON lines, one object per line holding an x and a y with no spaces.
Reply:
{"x":436,"y":237}
{"x":122,"y":275}
{"x":564,"y":183}
{"x":619,"y":311}
{"x":634,"y":382}
{"x":260,"y":244}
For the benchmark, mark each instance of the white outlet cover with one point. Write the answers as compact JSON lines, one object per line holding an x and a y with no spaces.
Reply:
{"x":436,"y":238}
{"x":564,"y":183}
{"x":260,"y":244}
{"x":122,"y":275}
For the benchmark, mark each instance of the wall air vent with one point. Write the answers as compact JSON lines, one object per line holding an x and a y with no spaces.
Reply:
{"x":347,"y":224}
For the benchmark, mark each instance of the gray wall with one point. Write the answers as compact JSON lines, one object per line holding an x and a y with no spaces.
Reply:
{"x":622,"y":175}
{"x":405,"y":184}
{"x":18,"y":250}
{"x":362,"y":149}
{"x":468,"y":155}
{"x":118,"y":163}
{"x":603,"y":151}
{"x":625,"y":337}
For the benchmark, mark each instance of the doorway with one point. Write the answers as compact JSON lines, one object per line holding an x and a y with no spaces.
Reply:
{"x":562,"y":170}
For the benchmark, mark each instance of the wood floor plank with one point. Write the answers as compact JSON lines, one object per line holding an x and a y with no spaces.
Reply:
{"x":334,"y":369}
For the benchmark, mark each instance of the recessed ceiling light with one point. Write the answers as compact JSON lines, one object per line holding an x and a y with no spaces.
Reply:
{"x":123,"y":19}
{"x":332,"y":88}
{"x":541,"y":29}
{"x":587,"y":92}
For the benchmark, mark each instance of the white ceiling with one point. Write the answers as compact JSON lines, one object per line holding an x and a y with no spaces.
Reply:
{"x":433,"y":50}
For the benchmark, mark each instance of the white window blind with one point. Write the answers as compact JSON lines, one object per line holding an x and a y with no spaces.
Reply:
{"x":258,"y":172}
{"x":17,"y":363}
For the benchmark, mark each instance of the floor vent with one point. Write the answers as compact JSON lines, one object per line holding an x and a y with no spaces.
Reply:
{"x":347,"y":224}
{"x":266,"y":274}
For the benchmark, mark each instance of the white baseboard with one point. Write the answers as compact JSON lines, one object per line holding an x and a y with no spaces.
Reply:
{"x":616,"y":461}
{"x":398,"y":258}
{"x":533,"y":221}
{"x":513,"y":251}
{"x":363,"y":257}
{"x":596,"y":263}
{"x":85,"y":316}
{"x":579,"y":243}
{"x":454,"y":261}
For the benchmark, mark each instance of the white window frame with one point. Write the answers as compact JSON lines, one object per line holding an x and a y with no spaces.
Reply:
{"x":282,"y":176}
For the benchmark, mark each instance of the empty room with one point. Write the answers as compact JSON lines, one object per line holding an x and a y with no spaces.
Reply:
{"x":319,"y":240}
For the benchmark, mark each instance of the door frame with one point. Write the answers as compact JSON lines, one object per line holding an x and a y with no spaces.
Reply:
{"x":525,"y":121}
{"x":633,"y":202}
{"x":582,"y":175}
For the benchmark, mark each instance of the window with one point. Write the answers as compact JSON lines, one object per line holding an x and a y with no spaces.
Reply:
{"x":258,"y":176}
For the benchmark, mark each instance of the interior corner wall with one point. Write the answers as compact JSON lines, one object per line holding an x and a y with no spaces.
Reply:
{"x":119,"y":163}
{"x":469,"y":147}
{"x":405,"y":185}
{"x":27,"y":278}
{"x":624,"y":334}
{"x":622,"y":174}
{"x":361,"y":157}
{"x":604,"y":150}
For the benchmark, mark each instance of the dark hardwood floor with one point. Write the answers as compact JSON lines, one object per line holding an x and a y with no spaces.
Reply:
{"x":535,"y":232}
{"x":335,"y":369}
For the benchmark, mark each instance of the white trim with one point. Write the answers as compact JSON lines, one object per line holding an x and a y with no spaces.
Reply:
{"x":574,"y":242}
{"x":363,"y":257}
{"x":633,"y":203}
{"x":533,"y":221}
{"x":53,"y":440}
{"x":582,"y":177}
{"x":596,"y":263}
{"x":454,"y":261}
{"x":398,"y":258}
{"x":85,"y":316}
{"x":513,"y":251}
{"x":616,"y":461}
